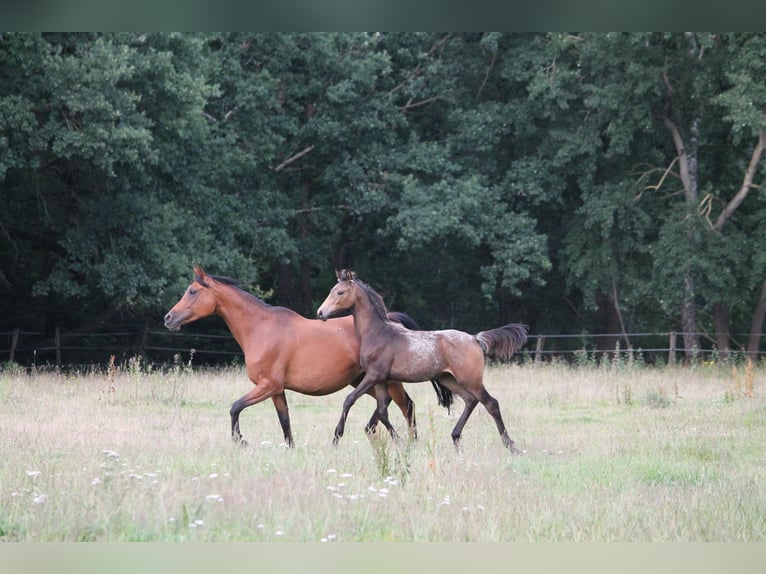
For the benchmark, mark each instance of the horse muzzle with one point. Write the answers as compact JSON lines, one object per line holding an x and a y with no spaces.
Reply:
{"x":172,"y":322}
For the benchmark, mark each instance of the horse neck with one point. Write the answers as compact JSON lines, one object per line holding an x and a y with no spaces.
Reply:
{"x":366,"y":317}
{"x":239,"y":310}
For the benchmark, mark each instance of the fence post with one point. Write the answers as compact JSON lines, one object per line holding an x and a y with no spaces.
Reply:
{"x":539,"y":349}
{"x":14,"y":342}
{"x":57,"y":343}
{"x":672,"y":350}
{"x":144,"y":340}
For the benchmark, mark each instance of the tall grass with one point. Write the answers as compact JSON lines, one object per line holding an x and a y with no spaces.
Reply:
{"x":611,"y":453}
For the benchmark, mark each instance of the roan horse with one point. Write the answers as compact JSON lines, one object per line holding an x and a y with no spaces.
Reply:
{"x":285,"y":351}
{"x":388,"y":351}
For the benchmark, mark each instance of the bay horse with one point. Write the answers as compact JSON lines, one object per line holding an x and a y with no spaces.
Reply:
{"x":285,"y":351}
{"x":388,"y":351}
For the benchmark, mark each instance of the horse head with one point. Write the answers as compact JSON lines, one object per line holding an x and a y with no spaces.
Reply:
{"x":198,"y":301}
{"x":342,"y":296}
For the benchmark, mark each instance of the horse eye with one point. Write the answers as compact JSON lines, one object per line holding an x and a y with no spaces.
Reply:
{"x":192,"y":291}
{"x":341,"y":292}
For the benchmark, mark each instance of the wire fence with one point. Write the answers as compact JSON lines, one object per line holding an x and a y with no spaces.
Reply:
{"x":67,"y":350}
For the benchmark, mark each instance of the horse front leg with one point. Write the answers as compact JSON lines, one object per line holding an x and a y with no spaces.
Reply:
{"x":383,"y":398}
{"x":280,"y":402}
{"x":397,"y":393}
{"x":236,"y":436}
{"x":262,"y":390}
{"x":364,"y":386}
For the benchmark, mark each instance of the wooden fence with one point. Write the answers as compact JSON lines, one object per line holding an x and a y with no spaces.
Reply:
{"x":75,"y":349}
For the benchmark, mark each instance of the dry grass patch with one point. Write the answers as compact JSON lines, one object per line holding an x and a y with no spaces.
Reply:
{"x":612,"y":453}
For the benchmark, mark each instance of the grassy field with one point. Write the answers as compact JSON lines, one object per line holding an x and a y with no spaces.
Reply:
{"x":613,"y":453}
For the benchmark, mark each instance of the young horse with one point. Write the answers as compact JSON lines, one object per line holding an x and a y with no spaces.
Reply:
{"x":388,"y":351}
{"x":285,"y":351}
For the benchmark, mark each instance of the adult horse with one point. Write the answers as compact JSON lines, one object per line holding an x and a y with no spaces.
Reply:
{"x":285,"y":351}
{"x":388,"y":351}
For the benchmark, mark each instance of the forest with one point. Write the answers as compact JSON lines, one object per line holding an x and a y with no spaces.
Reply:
{"x":598,"y":183}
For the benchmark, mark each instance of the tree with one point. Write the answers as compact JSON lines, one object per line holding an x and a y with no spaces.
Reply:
{"x":117,"y":182}
{"x":633,"y":88}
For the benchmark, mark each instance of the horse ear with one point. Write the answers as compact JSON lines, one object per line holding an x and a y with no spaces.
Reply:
{"x":199,"y":272}
{"x":338,"y":274}
{"x":345,"y":275}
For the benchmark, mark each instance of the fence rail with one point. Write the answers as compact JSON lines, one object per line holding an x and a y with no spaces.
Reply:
{"x":67,"y":349}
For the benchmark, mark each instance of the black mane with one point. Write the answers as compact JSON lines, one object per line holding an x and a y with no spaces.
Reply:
{"x":231,"y":283}
{"x":375,"y":298}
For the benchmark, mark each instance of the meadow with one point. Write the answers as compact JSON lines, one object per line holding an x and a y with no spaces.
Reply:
{"x":612,"y":452}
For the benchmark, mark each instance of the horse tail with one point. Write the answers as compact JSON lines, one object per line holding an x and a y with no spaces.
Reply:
{"x":443,"y":394}
{"x":503,"y":342}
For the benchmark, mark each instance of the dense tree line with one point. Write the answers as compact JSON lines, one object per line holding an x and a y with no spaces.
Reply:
{"x":575,"y":182}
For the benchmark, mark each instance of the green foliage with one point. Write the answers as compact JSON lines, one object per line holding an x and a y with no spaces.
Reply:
{"x":474,"y":178}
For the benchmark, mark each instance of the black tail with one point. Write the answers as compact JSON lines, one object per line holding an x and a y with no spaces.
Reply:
{"x":443,"y":394}
{"x":503,"y":342}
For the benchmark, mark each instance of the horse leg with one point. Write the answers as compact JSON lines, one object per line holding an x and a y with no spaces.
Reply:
{"x":470,"y":404}
{"x":372,"y":424}
{"x":364,"y":386}
{"x":262,"y":390}
{"x":381,"y":393}
{"x":280,"y":403}
{"x":493,"y":408}
{"x":406,"y":405}
{"x":469,"y":400}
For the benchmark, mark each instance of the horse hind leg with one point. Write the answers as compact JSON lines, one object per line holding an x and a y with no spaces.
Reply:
{"x":493,"y":408}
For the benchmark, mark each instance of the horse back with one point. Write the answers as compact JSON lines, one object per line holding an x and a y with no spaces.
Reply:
{"x":306,"y":355}
{"x":422,"y":355}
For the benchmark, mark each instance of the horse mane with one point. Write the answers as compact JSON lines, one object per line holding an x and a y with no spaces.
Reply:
{"x":231,"y":283}
{"x":375,"y":298}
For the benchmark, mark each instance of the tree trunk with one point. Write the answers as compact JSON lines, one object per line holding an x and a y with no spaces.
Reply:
{"x":721,"y":322}
{"x":754,"y":340}
{"x":689,"y":320}
{"x":687,"y":166}
{"x":606,"y":320}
